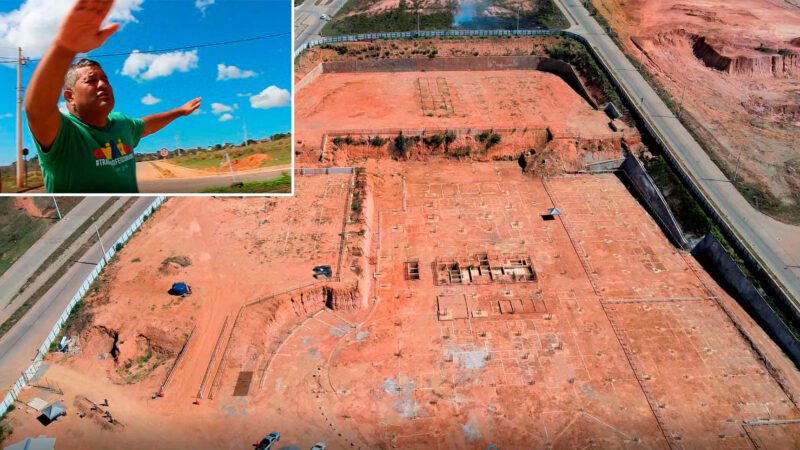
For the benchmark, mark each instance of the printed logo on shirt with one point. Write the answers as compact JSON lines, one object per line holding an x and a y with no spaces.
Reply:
{"x":113,"y":153}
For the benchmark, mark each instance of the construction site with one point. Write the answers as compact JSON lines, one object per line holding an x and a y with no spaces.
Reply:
{"x":462,"y":266}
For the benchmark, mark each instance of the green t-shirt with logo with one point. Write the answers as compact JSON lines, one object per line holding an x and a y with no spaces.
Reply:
{"x":88,"y":160}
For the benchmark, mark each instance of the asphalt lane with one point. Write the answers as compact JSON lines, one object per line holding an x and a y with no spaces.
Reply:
{"x":19,"y":346}
{"x":775,"y":243}
{"x":16,"y":275}
{"x":197,"y":185}
{"x":307,"y":19}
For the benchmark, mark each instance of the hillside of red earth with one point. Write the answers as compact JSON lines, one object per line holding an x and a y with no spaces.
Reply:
{"x":735,"y":67}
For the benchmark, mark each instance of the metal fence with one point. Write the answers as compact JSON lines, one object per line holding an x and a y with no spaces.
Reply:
{"x":429,"y":34}
{"x":30,"y":372}
{"x":326,"y":170}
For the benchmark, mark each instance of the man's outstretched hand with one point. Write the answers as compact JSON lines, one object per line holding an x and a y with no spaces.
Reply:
{"x":190,"y":106}
{"x":81,"y":30}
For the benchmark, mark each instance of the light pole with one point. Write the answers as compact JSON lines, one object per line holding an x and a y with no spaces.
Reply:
{"x":736,"y":171}
{"x":58,"y":210}
{"x":102,"y":247}
{"x":680,"y":112}
{"x":517,"y":18}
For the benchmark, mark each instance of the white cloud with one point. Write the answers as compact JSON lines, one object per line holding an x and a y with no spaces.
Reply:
{"x":6,"y":116}
{"x":147,"y":66}
{"x":62,"y":106}
{"x":247,"y":94}
{"x":203,"y":4}
{"x":150,"y":100}
{"x":271,"y":97}
{"x":219,"y":108}
{"x":197,"y":112}
{"x":34,"y":24}
{"x":225,"y":117}
{"x":233,"y":73}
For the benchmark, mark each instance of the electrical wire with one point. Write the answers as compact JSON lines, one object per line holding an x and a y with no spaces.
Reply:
{"x":4,"y":59}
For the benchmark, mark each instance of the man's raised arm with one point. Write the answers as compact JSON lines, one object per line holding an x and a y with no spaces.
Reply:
{"x":80,"y":32}
{"x":158,"y":121}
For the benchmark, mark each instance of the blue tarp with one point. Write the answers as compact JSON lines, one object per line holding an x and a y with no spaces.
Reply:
{"x":180,"y":289}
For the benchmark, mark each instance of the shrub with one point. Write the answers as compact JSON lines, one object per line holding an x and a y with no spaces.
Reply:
{"x":494,"y":139}
{"x":434,"y":140}
{"x":401,"y":144}
{"x":377,"y":141}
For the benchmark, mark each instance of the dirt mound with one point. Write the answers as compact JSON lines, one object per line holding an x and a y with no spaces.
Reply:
{"x":27,"y":204}
{"x":759,"y":61}
{"x":246,"y":163}
{"x":795,"y":42}
{"x":173,"y":264}
{"x":251,"y":162}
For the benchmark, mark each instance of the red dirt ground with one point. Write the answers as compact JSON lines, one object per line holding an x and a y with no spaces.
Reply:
{"x":374,"y":101}
{"x":622,"y":325}
{"x":753,"y":105}
{"x":621,"y":340}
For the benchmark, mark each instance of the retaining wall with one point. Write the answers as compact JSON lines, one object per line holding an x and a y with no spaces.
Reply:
{"x":712,"y":255}
{"x":649,"y":193}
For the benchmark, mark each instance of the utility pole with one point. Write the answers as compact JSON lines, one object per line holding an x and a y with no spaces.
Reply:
{"x":680,"y":112}
{"x":736,"y":171}
{"x":244,"y":127}
{"x":96,"y":230}
{"x":517,"y":18}
{"x":21,"y":175}
{"x":417,"y":22}
{"x":58,"y":210}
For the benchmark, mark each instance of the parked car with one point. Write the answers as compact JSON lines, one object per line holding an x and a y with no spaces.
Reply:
{"x":268,"y":441}
{"x":323,"y":271}
{"x":319,"y":446}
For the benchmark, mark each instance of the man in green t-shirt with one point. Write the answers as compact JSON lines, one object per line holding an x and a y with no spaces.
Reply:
{"x":89,"y":150}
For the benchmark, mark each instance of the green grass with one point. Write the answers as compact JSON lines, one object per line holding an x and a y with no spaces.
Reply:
{"x":386,"y":22}
{"x":349,"y":20}
{"x":19,"y":231}
{"x":31,"y":301}
{"x":280,"y":151}
{"x":281,"y":185}
{"x":574,"y":53}
{"x":5,"y":427}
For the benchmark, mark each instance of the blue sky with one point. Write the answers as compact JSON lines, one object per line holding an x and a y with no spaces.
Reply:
{"x":240,"y":83}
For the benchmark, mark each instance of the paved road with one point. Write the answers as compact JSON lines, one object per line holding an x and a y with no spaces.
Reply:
{"x":307,"y":22}
{"x":16,"y":275}
{"x":196,"y":185}
{"x":775,"y":243}
{"x":66,"y":258}
{"x":19,"y":346}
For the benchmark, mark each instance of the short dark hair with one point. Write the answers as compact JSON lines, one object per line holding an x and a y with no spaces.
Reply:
{"x":69,"y":79}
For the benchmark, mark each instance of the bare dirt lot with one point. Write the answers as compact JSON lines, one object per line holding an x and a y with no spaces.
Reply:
{"x":590,"y":329}
{"x":739,"y":63}
{"x":473,"y":99}
{"x":458,"y":314}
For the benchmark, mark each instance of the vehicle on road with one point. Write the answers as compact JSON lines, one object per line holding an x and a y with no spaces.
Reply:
{"x":319,"y":446}
{"x":325,"y":17}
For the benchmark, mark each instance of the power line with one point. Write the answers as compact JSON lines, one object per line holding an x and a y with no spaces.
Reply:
{"x":4,"y":59}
